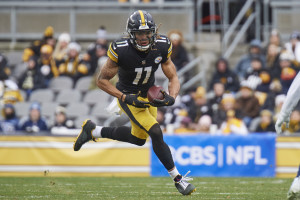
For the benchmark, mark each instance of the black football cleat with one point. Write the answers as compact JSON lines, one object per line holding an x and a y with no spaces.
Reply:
{"x":183,"y":186}
{"x":85,"y":135}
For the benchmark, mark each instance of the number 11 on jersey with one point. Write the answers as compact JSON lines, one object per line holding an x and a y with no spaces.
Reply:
{"x":139,"y":72}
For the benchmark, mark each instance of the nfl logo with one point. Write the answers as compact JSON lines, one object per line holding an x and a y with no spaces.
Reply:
{"x":143,"y":62}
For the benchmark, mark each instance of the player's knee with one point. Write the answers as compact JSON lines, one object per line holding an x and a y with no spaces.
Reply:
{"x":155,"y":133}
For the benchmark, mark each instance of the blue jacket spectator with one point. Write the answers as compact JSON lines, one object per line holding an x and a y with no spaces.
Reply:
{"x":35,"y":123}
{"x":255,"y":50}
{"x":10,"y":122}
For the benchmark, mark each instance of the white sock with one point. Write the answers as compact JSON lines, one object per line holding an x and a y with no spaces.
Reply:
{"x":173,"y":173}
{"x":96,"y":133}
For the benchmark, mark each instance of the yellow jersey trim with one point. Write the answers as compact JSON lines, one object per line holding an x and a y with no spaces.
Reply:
{"x":169,"y":51}
{"x":142,"y":18}
{"x":112,"y":54}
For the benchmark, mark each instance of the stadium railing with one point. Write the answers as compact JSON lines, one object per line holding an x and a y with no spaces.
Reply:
{"x":82,"y":18}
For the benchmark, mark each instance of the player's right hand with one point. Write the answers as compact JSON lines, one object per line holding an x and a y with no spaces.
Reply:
{"x":279,"y":123}
{"x":132,"y":99}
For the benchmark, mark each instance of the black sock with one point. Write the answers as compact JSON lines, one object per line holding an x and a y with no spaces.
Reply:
{"x":298,"y":174}
{"x":123,"y":134}
{"x":160,"y":148}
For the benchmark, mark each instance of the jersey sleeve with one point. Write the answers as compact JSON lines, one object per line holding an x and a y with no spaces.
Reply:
{"x":166,"y":47}
{"x":112,"y":52}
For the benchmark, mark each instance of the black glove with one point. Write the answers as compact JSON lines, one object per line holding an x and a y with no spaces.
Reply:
{"x":132,"y":99}
{"x":167,"y":101}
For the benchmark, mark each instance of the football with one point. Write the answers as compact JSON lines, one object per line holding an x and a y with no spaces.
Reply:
{"x":154,"y":93}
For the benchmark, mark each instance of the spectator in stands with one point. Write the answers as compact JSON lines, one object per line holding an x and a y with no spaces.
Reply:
{"x":255,"y":68}
{"x":9,"y":91}
{"x":73,"y":66}
{"x":265,"y":83}
{"x":200,"y":104}
{"x":275,"y":89}
{"x":61,"y":120}
{"x":274,"y":40}
{"x":35,"y":123}
{"x":61,"y":47}
{"x":4,"y":69}
{"x":294,"y":126}
{"x":204,"y":123}
{"x":219,"y":113}
{"x":224,"y":75}
{"x":245,"y":62}
{"x":272,"y":58}
{"x":96,"y":50}
{"x":185,"y":126}
{"x":266,"y":123}
{"x":293,"y":47}
{"x":35,"y":48}
{"x":217,"y":95}
{"x":233,"y":125}
{"x":31,"y":79}
{"x":10,"y":122}
{"x":179,"y":54}
{"x":288,"y":70}
{"x":47,"y":64}
{"x":247,"y":103}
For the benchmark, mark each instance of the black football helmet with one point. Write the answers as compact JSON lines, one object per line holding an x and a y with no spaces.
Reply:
{"x":141,"y":20}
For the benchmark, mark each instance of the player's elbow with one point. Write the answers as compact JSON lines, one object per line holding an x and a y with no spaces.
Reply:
{"x":100,"y":83}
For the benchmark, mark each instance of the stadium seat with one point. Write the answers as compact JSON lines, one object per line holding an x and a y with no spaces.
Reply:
{"x":22,"y":108}
{"x":14,"y":58}
{"x":77,"y":109}
{"x":42,"y":95}
{"x":79,"y":120}
{"x":19,"y":70}
{"x":61,"y":83}
{"x":99,"y":111}
{"x":48,"y":109}
{"x":24,"y":95}
{"x":83,"y":84}
{"x":96,"y":96}
{"x":65,"y":97}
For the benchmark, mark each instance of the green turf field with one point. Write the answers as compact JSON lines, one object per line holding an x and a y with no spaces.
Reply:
{"x":140,"y":188}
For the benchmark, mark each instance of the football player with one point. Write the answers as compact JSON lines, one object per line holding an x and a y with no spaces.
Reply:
{"x":136,"y":59}
{"x":289,"y":104}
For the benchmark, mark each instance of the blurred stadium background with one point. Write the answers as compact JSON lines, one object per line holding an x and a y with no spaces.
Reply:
{"x":211,"y":29}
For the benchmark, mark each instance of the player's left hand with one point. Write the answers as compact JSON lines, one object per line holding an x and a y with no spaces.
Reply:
{"x":279,"y":123}
{"x":132,"y":99}
{"x":167,"y":101}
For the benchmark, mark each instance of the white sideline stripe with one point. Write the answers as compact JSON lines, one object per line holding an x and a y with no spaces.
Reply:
{"x":288,"y":145}
{"x":68,"y":145}
{"x":89,"y":169}
{"x":286,"y":169}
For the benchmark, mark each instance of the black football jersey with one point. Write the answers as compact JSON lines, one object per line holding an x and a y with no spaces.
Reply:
{"x":137,"y":68}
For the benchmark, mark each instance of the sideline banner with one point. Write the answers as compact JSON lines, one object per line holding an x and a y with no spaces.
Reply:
{"x":234,"y":155}
{"x":54,"y":156}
